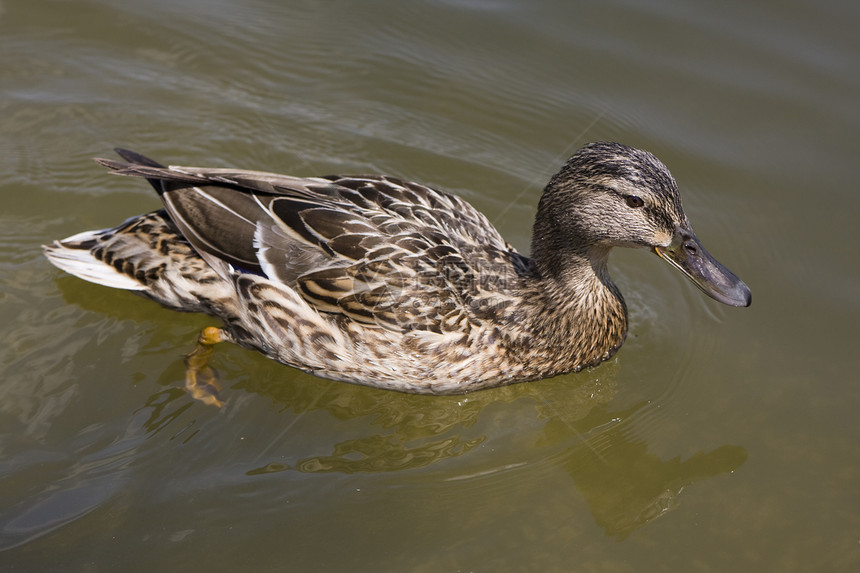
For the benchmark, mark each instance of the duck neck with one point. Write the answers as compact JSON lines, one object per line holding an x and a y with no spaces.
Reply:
{"x":575,"y":305}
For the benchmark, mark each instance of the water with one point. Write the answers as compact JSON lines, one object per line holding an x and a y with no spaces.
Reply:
{"x":718,"y":438}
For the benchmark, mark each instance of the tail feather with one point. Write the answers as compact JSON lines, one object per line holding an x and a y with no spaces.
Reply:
{"x":145,"y":254}
{"x":74,"y":255}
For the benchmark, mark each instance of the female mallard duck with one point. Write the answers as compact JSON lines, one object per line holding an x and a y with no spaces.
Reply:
{"x":387,"y":283}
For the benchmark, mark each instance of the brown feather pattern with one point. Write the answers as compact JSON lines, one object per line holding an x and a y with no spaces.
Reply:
{"x":375,"y":280}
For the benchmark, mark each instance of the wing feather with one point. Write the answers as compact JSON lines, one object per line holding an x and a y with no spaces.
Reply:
{"x":378,"y":250}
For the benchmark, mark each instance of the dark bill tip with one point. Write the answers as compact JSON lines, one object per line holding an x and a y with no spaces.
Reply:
{"x":688,"y":255}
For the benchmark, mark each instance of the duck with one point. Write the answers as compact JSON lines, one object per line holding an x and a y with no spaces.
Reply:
{"x":387,"y":283}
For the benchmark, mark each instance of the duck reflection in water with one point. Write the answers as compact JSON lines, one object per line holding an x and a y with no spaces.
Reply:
{"x":568,"y":423}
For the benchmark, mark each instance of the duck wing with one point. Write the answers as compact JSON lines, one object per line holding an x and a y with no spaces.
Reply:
{"x":376,"y":249}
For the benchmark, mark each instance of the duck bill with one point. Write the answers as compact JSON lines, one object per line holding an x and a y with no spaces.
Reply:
{"x":687,"y":254}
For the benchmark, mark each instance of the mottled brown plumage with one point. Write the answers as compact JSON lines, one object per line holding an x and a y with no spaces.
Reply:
{"x":392,"y":284}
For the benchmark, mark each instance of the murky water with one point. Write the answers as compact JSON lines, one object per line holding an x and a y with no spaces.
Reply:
{"x":718,"y":439}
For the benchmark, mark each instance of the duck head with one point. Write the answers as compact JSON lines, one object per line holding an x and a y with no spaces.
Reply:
{"x":612,"y":195}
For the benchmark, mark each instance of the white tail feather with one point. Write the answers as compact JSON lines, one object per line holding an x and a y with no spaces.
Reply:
{"x":82,"y":264}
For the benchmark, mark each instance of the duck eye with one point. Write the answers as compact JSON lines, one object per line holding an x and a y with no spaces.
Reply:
{"x":634,"y":201}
